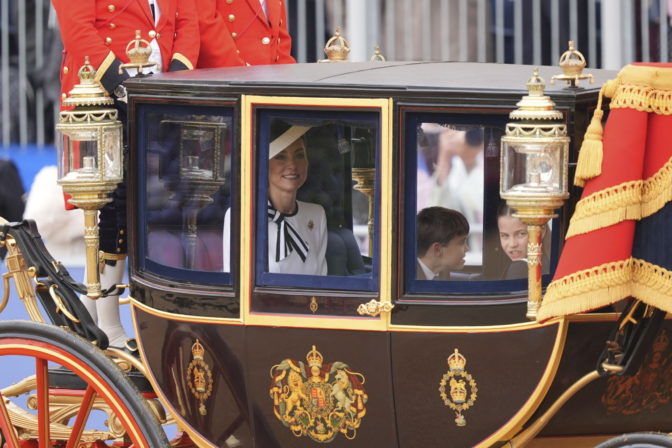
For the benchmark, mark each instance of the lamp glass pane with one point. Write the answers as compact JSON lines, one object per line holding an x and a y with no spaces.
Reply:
{"x":533,"y":167}
{"x":112,"y":155}
{"x":198,"y":142}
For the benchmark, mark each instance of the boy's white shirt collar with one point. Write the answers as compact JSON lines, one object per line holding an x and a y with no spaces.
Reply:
{"x":429,"y":275}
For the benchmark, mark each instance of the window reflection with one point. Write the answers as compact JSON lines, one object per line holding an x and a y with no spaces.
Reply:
{"x":187,"y":189}
{"x":451,"y":175}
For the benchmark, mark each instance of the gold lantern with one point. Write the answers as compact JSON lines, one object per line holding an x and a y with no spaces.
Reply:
{"x":533,"y":173}
{"x":90,"y":159}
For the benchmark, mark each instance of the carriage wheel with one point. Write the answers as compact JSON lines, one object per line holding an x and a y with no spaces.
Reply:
{"x":102,"y":382}
{"x":639,"y":440}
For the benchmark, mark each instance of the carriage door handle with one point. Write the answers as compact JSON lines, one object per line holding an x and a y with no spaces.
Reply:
{"x":374,"y":308}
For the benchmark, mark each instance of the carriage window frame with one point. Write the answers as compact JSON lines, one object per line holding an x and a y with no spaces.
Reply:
{"x":264,"y":114}
{"x":458,"y":292}
{"x":143,"y":110}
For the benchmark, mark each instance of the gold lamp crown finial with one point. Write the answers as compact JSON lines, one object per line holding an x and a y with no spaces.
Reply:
{"x":536,"y":105}
{"x":337,"y":48}
{"x":86,"y":73}
{"x":88,"y":92}
{"x":536,"y":84}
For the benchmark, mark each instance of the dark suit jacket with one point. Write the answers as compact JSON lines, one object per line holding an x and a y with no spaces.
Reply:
{"x":420,"y":275}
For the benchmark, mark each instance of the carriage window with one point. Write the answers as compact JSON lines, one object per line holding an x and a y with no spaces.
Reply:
{"x":317,"y":196}
{"x":187,"y":163}
{"x":463,"y":237}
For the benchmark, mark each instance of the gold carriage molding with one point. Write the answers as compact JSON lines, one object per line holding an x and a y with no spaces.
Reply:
{"x":457,"y":387}
{"x":318,"y":400}
{"x":199,"y":376}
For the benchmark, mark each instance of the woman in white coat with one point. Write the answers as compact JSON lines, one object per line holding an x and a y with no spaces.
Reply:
{"x":297,"y":230}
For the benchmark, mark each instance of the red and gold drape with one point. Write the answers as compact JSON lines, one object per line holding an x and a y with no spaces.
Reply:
{"x":617,"y":243}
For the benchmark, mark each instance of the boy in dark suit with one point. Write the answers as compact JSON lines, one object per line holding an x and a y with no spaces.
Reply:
{"x":441,"y":243}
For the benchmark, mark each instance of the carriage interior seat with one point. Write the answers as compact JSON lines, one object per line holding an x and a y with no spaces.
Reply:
{"x":329,"y":184}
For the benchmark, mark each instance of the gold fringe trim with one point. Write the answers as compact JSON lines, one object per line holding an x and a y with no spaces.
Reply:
{"x":607,"y":207}
{"x":587,"y":289}
{"x":606,"y":284}
{"x":643,"y":98}
{"x":643,"y":88}
{"x":657,"y":190}
{"x":631,"y":200}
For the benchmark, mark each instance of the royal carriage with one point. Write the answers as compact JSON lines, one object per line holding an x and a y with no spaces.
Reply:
{"x":368,"y":355}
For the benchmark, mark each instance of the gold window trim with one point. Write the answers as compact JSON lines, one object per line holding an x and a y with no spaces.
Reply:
{"x":246,"y":280}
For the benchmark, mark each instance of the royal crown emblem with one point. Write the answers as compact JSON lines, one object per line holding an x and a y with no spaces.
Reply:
{"x":457,"y":387}
{"x":199,"y":376}
{"x":337,"y":48}
{"x":138,"y":52}
{"x":316,"y":399}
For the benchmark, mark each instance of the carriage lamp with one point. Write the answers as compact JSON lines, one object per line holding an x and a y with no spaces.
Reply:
{"x":533,"y":173}
{"x":89,"y":159}
{"x":202,"y":172}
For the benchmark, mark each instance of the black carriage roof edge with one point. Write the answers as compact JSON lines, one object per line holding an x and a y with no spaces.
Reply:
{"x":421,"y":76}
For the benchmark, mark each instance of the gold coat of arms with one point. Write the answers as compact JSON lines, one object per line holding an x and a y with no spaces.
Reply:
{"x":199,"y":377}
{"x":457,"y":387}
{"x":318,"y":400}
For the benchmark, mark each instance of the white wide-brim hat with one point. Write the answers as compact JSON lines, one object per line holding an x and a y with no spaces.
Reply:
{"x":285,"y":139}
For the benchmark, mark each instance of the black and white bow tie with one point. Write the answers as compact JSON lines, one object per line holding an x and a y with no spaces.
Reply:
{"x":288,"y":238}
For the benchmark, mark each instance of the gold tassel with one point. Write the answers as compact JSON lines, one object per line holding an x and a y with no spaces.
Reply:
{"x":589,"y":164}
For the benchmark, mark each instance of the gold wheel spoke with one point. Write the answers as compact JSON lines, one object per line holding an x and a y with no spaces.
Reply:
{"x":11,"y":439}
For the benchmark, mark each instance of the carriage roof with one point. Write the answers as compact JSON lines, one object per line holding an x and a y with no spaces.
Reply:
{"x":379,"y":78}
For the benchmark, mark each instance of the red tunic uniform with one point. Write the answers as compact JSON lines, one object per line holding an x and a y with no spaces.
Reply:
{"x":239,"y":32}
{"x":101,"y":30}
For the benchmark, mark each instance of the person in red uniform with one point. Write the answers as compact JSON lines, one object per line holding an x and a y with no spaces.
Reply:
{"x":101,"y":31}
{"x":243,"y":32}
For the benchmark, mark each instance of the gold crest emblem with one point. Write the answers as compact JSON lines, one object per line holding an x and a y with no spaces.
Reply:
{"x":457,"y":387}
{"x":199,"y":376}
{"x":318,"y":400}
{"x":311,"y":224}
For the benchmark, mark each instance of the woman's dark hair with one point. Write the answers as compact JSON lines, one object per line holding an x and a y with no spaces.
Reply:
{"x":504,"y":210}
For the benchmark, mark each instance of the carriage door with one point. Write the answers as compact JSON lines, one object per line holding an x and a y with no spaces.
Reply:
{"x":314,"y":263}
